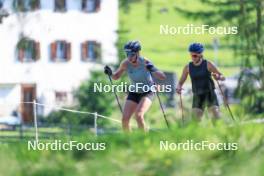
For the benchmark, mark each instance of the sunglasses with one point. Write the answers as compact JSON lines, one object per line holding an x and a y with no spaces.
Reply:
{"x":130,"y":54}
{"x":195,"y":55}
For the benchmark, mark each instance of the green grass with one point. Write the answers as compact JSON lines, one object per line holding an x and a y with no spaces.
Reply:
{"x":139,"y":154}
{"x":169,"y":52}
{"x":154,"y":117}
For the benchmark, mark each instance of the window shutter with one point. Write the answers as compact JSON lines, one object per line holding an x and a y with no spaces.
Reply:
{"x":98,"y":51}
{"x":68,"y":56}
{"x":20,"y":54}
{"x":97,"y":5}
{"x":64,"y":4}
{"x":65,"y":46}
{"x":84,"y":51}
{"x":37,"y":50}
{"x":53,"y":51}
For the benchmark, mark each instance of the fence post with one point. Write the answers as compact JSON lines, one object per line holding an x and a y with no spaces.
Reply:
{"x":95,"y":123}
{"x":69,"y":130}
{"x":35,"y":120}
{"x":21,"y":129}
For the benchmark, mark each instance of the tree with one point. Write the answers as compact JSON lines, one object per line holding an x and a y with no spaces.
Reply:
{"x":87,"y":100}
{"x":94,"y":101}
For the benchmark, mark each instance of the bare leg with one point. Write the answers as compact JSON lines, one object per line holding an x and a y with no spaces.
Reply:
{"x":142,"y":108}
{"x":214,"y":110}
{"x":129,"y":109}
{"x":197,"y":114}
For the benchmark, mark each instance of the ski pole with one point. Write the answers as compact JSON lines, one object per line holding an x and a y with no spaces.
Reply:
{"x":117,"y":99}
{"x":161,"y":107}
{"x":181,"y":109}
{"x":225,"y":100}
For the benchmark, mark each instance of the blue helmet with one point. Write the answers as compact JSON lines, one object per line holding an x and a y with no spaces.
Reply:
{"x":196,"y":48}
{"x":132,"y":46}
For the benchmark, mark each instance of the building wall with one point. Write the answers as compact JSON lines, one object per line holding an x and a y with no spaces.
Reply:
{"x":46,"y":26}
{"x":9,"y":100}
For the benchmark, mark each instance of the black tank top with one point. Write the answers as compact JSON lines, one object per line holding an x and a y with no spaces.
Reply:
{"x":201,"y":78}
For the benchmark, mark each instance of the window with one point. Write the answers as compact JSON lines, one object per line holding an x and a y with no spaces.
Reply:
{"x":91,"y":51}
{"x":26,"y":5}
{"x":91,"y":5}
{"x":60,"y":97}
{"x":60,"y":51}
{"x":60,"y":5}
{"x":28,"y":50}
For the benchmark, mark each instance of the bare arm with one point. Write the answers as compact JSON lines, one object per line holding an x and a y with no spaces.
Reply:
{"x":117,"y":74}
{"x":159,"y":75}
{"x":183,"y":78}
{"x":155,"y":72}
{"x":215,"y":72}
{"x":184,"y":75}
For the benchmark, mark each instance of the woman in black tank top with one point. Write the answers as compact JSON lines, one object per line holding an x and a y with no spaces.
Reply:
{"x":201,"y":78}
{"x":203,"y":88}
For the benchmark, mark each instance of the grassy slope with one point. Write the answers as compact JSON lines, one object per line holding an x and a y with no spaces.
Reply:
{"x":139,"y":154}
{"x":169,"y":52}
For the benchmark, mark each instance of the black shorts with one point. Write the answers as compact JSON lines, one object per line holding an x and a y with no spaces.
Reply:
{"x":206,"y":99}
{"x":136,"y":97}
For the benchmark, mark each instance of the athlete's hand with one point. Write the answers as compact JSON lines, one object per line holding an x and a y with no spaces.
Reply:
{"x":108,"y":70}
{"x":179,"y":89}
{"x":215,"y":76}
{"x":218,"y":77}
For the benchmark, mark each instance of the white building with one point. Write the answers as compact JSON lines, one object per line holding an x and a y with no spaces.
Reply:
{"x":48,"y":48}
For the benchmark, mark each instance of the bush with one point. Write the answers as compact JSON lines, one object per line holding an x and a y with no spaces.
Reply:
{"x":89,"y":101}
